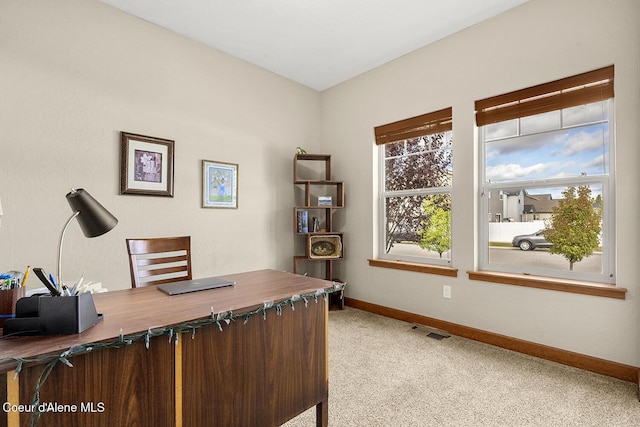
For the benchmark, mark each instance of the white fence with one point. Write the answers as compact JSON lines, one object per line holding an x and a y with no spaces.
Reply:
{"x":504,"y":231}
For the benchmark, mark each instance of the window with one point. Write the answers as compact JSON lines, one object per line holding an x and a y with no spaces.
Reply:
{"x":547,"y":184}
{"x":415,"y":188}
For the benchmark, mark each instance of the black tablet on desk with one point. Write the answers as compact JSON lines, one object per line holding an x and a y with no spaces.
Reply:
{"x":185,"y":286}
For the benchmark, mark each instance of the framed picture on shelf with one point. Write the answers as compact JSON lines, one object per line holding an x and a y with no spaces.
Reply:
{"x":219,"y":184}
{"x":146,"y":165}
{"x":324,"y":247}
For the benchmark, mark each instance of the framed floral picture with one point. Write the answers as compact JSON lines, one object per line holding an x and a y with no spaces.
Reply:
{"x":146,"y":165}
{"x":219,"y":184}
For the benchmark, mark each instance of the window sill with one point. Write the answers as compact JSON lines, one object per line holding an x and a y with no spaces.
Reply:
{"x":410,"y":266}
{"x":553,"y":284}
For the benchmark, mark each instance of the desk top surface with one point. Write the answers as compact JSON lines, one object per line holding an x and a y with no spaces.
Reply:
{"x":132,"y":311}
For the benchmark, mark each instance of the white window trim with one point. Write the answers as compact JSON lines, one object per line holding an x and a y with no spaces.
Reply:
{"x":608,"y":224}
{"x":382,"y":217}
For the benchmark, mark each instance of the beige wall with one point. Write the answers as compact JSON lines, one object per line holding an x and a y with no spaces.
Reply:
{"x":540,"y":41}
{"x":73,"y":74}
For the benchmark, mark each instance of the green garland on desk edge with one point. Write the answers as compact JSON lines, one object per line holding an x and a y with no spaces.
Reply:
{"x":173,"y":332}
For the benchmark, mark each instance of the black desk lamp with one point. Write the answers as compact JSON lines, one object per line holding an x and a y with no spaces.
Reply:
{"x":93,"y":218}
{"x":48,"y":315}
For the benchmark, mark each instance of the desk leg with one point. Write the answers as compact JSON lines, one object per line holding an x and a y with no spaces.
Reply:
{"x":322,"y":413}
{"x":13,"y":397}
{"x":178,"y":379}
{"x":322,"y":408}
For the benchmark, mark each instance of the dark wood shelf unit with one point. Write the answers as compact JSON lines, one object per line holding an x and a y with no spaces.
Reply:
{"x":315,"y":178}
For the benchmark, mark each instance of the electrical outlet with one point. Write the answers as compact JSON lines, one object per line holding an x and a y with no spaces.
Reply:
{"x":446,"y":291}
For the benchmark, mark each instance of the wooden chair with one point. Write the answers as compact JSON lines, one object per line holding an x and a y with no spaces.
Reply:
{"x":159,"y":260}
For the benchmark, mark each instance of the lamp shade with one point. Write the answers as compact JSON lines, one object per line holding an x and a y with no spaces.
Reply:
{"x":93,"y":218}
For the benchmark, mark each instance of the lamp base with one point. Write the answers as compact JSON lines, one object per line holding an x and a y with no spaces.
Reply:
{"x":48,"y":315}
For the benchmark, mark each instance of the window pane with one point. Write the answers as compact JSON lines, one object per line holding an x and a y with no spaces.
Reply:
{"x":418,"y":145}
{"x":501,"y":130}
{"x":417,"y":166}
{"x":584,"y":114}
{"x":540,"y":123}
{"x":517,"y":219}
{"x":394,"y":149}
{"x":577,"y":151}
{"x":419,"y":226}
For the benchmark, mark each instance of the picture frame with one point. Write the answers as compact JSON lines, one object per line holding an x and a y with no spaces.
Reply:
{"x":219,"y":184}
{"x":146,"y":165}
{"x":324,"y":246}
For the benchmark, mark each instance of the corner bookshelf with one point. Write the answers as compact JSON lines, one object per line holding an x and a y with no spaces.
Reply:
{"x":313,"y":219}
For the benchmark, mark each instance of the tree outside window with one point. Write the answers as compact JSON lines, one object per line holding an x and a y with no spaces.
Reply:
{"x":435,"y":231}
{"x":574,"y":227}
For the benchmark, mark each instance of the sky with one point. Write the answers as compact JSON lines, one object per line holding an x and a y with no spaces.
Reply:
{"x":544,"y":150}
{"x":558,"y":154}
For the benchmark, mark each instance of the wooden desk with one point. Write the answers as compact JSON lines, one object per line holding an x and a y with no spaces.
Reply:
{"x":258,"y":371}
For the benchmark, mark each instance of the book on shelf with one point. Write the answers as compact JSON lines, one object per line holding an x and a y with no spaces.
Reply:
{"x":303,"y":222}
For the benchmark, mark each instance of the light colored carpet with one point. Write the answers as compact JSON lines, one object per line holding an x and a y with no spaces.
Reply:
{"x":384,"y":373}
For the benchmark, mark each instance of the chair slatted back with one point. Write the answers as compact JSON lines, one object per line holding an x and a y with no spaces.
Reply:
{"x":159,"y":260}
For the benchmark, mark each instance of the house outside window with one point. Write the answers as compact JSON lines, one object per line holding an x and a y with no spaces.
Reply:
{"x":415,"y":188}
{"x":544,"y":150}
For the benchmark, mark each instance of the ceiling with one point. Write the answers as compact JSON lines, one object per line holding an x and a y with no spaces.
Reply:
{"x":318,"y":43}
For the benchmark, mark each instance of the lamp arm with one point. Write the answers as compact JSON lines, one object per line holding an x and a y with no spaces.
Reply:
{"x":64,"y":230}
